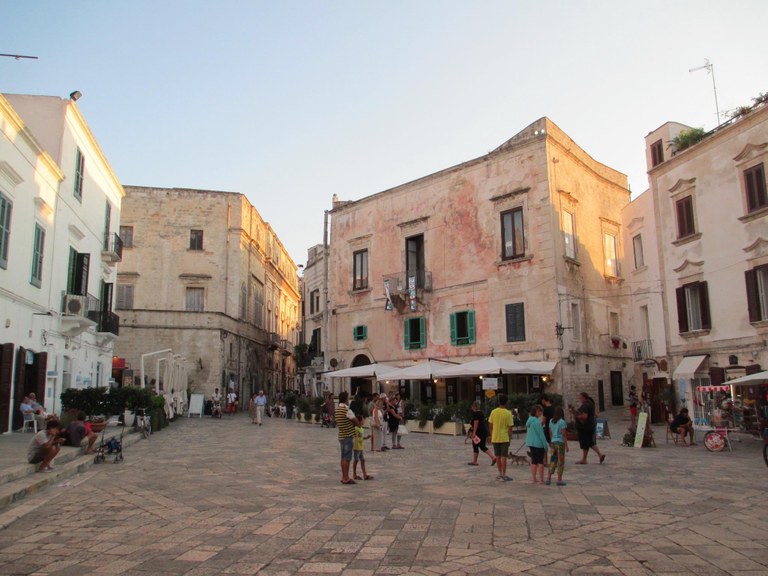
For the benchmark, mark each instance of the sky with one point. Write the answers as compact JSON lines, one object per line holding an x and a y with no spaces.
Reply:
{"x":292,"y":101}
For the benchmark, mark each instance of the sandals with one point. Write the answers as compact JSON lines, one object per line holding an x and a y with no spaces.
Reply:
{"x":471,"y":463}
{"x":350,"y":481}
{"x":493,"y":462}
{"x":602,"y":458}
{"x":358,"y":477}
{"x":368,"y":477}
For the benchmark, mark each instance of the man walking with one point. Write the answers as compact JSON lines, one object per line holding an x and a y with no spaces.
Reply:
{"x":261,"y":406}
{"x":345,"y":423}
{"x":500,"y":423}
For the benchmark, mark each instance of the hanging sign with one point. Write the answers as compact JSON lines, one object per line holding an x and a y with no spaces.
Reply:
{"x":490,"y":383}
{"x":388,"y":305}
{"x":412,"y":292}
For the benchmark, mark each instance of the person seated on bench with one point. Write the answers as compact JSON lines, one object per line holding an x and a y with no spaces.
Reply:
{"x":45,"y":446}
{"x":682,"y":425}
{"x":79,"y":432}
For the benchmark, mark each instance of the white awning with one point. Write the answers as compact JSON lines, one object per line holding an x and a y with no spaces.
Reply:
{"x":688,"y":367}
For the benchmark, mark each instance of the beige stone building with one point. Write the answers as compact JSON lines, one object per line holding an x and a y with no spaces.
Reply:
{"x":313,"y":284}
{"x":513,"y":254}
{"x":711,"y":209}
{"x":204,"y":275}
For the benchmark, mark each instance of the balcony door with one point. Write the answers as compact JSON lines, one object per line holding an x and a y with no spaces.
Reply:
{"x":414,"y":259}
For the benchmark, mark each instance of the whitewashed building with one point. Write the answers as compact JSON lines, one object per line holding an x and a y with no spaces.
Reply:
{"x":59,"y":215}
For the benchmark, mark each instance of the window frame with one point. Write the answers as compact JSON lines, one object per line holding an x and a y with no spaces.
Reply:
{"x":191,"y":306}
{"x":509,"y":230}
{"x":360,"y":270}
{"x":637,"y":248}
{"x":314,"y":302}
{"x":410,"y":343}
{"x":657,"y":153}
{"x":359,"y":333}
{"x":79,"y":175}
{"x":196,"y":240}
{"x":38,"y":253}
{"x":6,"y":210}
{"x":126,"y":235}
{"x":691,"y":298}
{"x":463,"y":320}
{"x":685,"y":217}
{"x":569,"y":236}
{"x":517,"y":311}
{"x":125,"y":297}
{"x":611,"y":248}
{"x":756,"y":280}
{"x":755,"y":188}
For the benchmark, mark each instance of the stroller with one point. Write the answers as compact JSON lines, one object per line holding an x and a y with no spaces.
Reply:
{"x":327,"y":421}
{"x":112,"y":447}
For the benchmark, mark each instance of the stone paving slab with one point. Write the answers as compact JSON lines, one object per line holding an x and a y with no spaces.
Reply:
{"x":225,"y":497}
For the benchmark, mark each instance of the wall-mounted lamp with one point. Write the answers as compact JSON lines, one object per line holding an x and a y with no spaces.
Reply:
{"x":75,"y":96}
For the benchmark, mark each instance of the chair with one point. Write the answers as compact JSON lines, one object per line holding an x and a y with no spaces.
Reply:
{"x":29,"y":422}
{"x":675,"y":437}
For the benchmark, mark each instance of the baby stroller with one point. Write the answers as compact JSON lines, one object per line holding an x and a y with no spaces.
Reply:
{"x":327,"y":420}
{"x":111,"y":447}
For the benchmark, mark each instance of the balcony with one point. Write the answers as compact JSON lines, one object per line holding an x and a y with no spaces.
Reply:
{"x":642,"y":350}
{"x":107,"y":322}
{"x":398,"y":283}
{"x":286,"y":348}
{"x":113,"y":249}
{"x":273,"y":341}
{"x":74,"y":314}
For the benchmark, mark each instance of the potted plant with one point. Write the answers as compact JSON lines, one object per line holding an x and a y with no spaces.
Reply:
{"x":305,"y":409}
{"x":290,"y":400}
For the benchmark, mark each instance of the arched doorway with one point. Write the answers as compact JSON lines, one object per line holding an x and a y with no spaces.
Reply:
{"x":361,"y":385}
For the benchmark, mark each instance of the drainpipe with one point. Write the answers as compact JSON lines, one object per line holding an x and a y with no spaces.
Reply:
{"x":324,"y":338}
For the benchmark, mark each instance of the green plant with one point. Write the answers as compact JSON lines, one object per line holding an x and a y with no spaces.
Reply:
{"x":740,"y":111}
{"x":687,"y":138}
{"x":424,"y":412}
{"x":305,"y":408}
{"x":89,"y":400}
{"x":761,"y":98}
{"x":439,"y":418}
{"x":290,"y":399}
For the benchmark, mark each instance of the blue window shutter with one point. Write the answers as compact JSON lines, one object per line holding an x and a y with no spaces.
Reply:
{"x":453,"y":329}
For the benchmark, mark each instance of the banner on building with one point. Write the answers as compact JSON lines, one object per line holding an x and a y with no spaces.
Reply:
{"x":388,"y":305}
{"x":412,"y":292}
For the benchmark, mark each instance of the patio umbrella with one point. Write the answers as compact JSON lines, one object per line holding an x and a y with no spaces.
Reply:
{"x":496,"y":365}
{"x":376,"y":370}
{"x":752,"y":379}
{"x":426,"y":370}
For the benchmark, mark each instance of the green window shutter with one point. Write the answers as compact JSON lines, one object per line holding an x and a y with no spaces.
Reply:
{"x":422,"y":332}
{"x":471,"y":326}
{"x":453,"y":329}
{"x":407,"y":334}
{"x":365,"y":332}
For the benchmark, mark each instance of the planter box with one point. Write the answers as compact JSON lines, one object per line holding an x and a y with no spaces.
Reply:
{"x":450,"y":428}
{"x":413,"y":426}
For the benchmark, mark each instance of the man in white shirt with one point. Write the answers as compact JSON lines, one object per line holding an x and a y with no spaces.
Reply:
{"x":231,"y":401}
{"x":261,"y":404}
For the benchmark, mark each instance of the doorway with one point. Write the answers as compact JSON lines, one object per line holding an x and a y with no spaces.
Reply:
{"x":617,"y":388}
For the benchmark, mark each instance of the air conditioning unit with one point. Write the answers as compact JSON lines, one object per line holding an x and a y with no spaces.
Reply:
{"x":74,"y":305}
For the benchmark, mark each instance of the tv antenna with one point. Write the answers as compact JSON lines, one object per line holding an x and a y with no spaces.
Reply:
{"x":710,"y":68}
{"x":19,"y":56}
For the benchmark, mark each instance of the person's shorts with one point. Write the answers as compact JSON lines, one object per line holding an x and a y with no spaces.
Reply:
{"x":480,"y":446}
{"x":347,"y":448}
{"x":538,"y":455}
{"x":500,"y":449}
{"x":633,"y":410}
{"x":586,"y":438}
{"x":36,"y":458}
{"x":359,"y":456}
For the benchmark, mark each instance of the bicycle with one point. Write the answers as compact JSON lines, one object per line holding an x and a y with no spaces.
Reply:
{"x":143,"y":424}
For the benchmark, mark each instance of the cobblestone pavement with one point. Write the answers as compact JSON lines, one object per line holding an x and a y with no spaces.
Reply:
{"x":227,"y":497}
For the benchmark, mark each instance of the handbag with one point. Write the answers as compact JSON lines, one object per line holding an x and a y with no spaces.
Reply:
{"x":402,"y":430}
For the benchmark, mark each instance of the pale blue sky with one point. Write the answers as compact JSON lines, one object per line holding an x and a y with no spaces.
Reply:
{"x":290,"y":101}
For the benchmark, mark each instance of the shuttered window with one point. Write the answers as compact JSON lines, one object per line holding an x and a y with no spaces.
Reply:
{"x":757,"y":293}
{"x":754,"y":182}
{"x":693,"y":307}
{"x":415,"y":333}
{"x":38,"y":249}
{"x":515,"y":319}
{"x":463,"y":328}
{"x":5,"y":229}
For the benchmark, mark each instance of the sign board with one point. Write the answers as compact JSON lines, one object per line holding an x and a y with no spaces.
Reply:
{"x":490,"y":383}
{"x":642,"y":422}
{"x":196,"y":405}
{"x":601,"y":428}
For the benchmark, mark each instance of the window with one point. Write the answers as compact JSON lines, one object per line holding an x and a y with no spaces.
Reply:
{"x":195,"y":300}
{"x":314,"y":302}
{"x":258,"y":304}
{"x":107,"y":224}
{"x":37,"y":256}
{"x":77,"y":274}
{"x":637,"y":246}
{"x":195,"y":239}
{"x":126,"y":235}
{"x":576,"y":321}
{"x":512,"y":236}
{"x":415,"y":336}
{"x":124,"y":297}
{"x":685,"y":223}
{"x":79,"y":175}
{"x":463,"y":328}
{"x":5,"y":229}
{"x":757,"y":293}
{"x":754,"y":182}
{"x":610,"y":250}
{"x":414,"y":260}
{"x":515,"y":318}
{"x":693,"y":307}
{"x":613,"y":324}
{"x":568,"y":235}
{"x":359,"y":333}
{"x":360,"y":272}
{"x":657,"y":153}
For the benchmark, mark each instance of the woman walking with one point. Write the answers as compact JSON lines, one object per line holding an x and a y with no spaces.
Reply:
{"x":479,"y":435}
{"x":559,"y":446}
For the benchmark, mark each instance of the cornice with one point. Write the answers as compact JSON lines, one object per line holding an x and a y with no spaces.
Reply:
{"x":686,"y":263}
{"x":750,"y":150}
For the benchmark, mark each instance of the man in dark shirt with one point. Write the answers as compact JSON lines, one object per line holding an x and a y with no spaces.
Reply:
{"x":78,"y":431}
{"x":585,"y":426}
{"x":681,"y":424}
